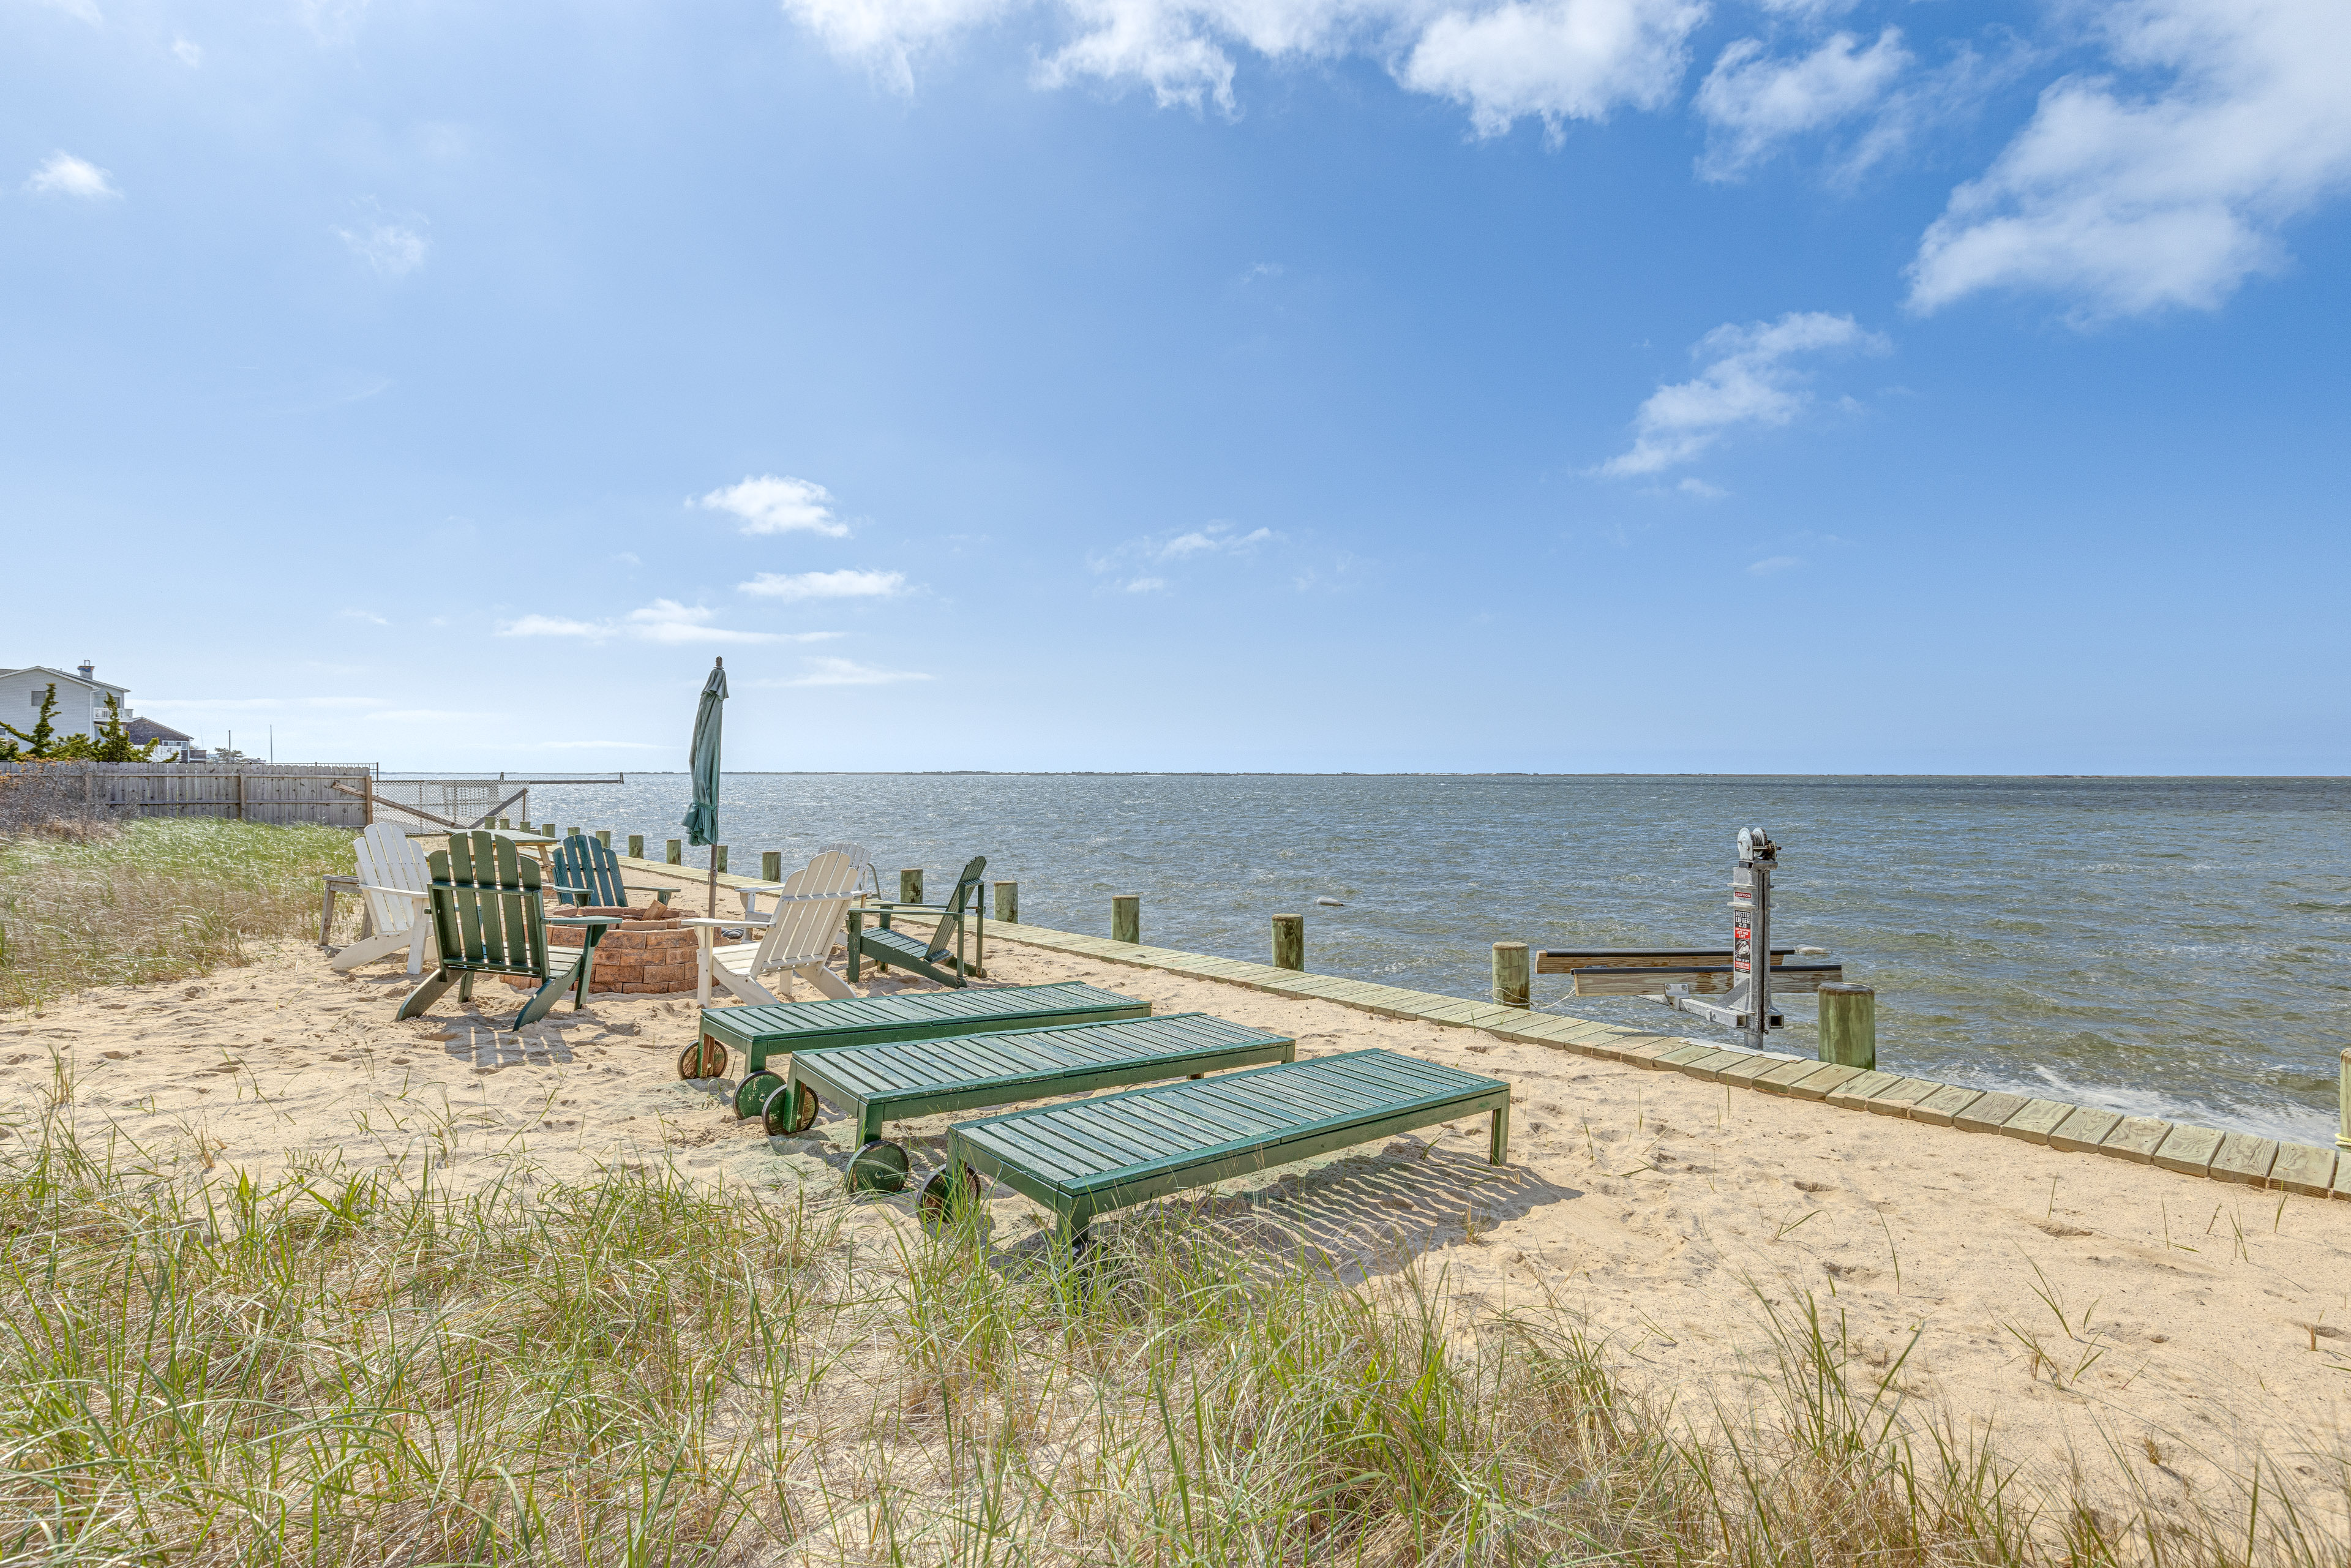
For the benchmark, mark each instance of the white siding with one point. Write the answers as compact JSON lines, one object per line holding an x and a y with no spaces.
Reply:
{"x":79,"y":706}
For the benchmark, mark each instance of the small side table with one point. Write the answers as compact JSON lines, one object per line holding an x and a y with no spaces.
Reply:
{"x":336,"y":884}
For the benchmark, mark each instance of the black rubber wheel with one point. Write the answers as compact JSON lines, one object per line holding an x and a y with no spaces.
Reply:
{"x":880,"y":1166}
{"x":787,"y":1113}
{"x":751,"y":1095}
{"x":944,"y":1202}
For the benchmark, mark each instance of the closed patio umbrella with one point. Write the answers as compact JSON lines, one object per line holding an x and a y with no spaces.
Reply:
{"x":701,"y":817}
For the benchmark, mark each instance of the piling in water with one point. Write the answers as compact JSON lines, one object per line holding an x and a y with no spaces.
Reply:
{"x":771,"y":865}
{"x":910,"y":887}
{"x":1007,"y":903}
{"x":1127,"y":917}
{"x":1289,"y":942}
{"x":1510,"y":974}
{"x":677,"y":855}
{"x":1849,"y":1026}
{"x":636,"y":846}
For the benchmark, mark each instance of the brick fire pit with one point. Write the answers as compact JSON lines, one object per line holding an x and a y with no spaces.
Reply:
{"x":649,"y":954}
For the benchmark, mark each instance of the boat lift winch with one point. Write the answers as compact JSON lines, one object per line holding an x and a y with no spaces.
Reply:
{"x":1688,"y":979}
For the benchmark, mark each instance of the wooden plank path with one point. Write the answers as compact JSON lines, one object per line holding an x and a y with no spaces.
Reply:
{"x":878,"y":1083}
{"x":2309,"y":1169}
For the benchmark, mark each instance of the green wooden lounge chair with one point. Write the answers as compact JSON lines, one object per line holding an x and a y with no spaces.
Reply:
{"x":487,"y":920}
{"x":878,"y":1083}
{"x":585,"y":871}
{"x":1091,"y":1156}
{"x":779,"y":1029}
{"x":885,"y":946}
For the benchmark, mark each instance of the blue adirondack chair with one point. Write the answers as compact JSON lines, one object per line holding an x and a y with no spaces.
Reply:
{"x":586,"y":872}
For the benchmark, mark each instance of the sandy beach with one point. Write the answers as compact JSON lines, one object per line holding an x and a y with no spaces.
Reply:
{"x":2078,"y":1309}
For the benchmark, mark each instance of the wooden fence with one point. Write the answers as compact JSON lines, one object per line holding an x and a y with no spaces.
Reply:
{"x":245,"y":793}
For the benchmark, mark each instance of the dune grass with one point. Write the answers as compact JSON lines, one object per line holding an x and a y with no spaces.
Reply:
{"x":340,"y":1368}
{"x":94,"y":903}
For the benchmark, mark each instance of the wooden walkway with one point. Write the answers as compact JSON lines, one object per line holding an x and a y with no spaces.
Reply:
{"x":2179,"y":1147}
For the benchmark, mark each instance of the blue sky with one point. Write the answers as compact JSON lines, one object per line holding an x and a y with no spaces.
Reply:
{"x":1419,"y":384}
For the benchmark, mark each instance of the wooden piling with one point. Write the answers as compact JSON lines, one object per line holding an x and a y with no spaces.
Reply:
{"x":771,"y":865}
{"x":506,"y":823}
{"x":604,"y":837}
{"x":1849,"y":1026}
{"x":1289,"y":942}
{"x":636,"y":846}
{"x":570,"y":833}
{"x":2343,"y":1104}
{"x":1007,"y":903}
{"x":1510,"y":974}
{"x":676,"y":851}
{"x":909,"y":886}
{"x":1127,"y":917}
{"x":718,"y":858}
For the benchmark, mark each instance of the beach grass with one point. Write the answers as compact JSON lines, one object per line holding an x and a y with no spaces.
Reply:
{"x":85,"y":903}
{"x":341,"y":1367}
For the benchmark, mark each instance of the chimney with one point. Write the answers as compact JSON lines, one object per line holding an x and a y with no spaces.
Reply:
{"x":86,"y":667}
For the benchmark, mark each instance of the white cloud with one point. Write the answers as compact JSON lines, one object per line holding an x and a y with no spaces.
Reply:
{"x":1752,"y":101}
{"x":846,"y":673}
{"x":886,"y":34}
{"x":777,"y":504}
{"x":369,"y":616}
{"x":1215,"y":538}
{"x":825,"y":584}
{"x":662,"y":620}
{"x":1702,"y":490}
{"x":189,"y":55}
{"x":2129,"y":202}
{"x":554,"y":626}
{"x":1554,"y":59}
{"x":390,"y":247}
{"x":1145,"y":558}
{"x":63,"y":175}
{"x":1772,"y":566}
{"x":1747,"y":380}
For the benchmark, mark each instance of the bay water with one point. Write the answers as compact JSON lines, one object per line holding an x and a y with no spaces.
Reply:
{"x":2177,"y":947}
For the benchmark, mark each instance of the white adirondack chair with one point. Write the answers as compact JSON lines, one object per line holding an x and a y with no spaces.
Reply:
{"x":859,"y":859}
{"x":798,"y":938}
{"x":395,"y":881}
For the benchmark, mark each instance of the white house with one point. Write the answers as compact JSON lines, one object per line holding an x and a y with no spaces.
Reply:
{"x":82,"y":698}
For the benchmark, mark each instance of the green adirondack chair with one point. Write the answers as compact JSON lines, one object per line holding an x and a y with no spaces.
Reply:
{"x":586,"y":872}
{"x":487,"y":920}
{"x":942,"y":959}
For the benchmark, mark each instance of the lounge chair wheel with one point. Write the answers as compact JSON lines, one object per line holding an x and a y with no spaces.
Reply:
{"x":786,"y":1113}
{"x":705,"y":1058}
{"x":880,"y":1166}
{"x":751,"y":1095}
{"x":944,"y":1201}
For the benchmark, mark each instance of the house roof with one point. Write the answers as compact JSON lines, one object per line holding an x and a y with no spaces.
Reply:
{"x":143,"y":730}
{"x":66,"y":677}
